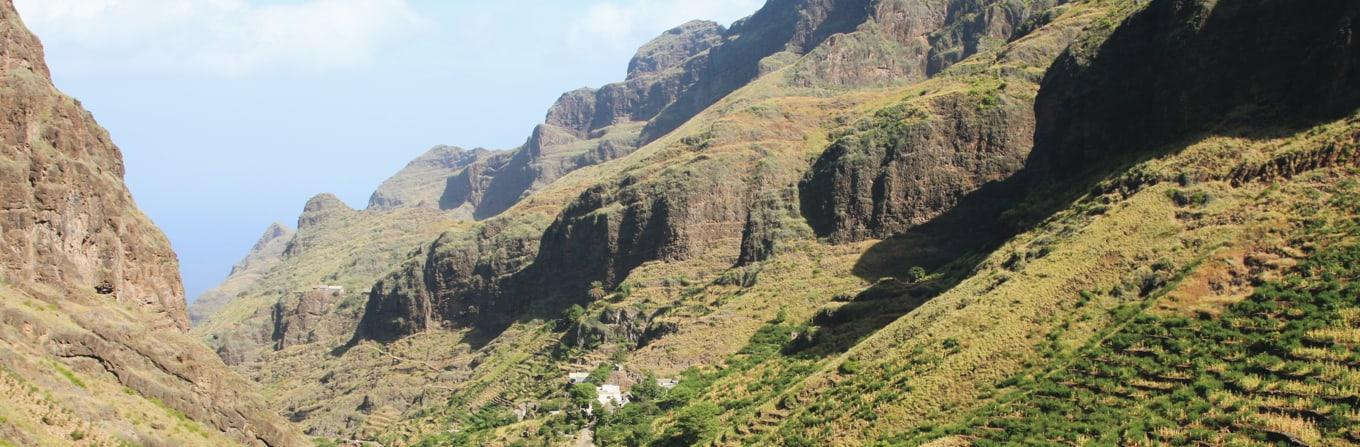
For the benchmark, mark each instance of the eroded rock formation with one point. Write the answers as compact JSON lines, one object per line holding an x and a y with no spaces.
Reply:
{"x":66,"y":219}
{"x":112,"y":303}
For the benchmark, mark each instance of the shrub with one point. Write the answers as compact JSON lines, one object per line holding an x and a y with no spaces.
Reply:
{"x":916,"y":274}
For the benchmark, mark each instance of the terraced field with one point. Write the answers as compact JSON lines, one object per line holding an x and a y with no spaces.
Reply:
{"x":1281,"y":367}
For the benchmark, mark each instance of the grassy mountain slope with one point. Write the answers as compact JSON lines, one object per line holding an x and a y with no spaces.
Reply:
{"x":941,"y":222}
{"x":695,"y":309}
{"x":334,"y":246}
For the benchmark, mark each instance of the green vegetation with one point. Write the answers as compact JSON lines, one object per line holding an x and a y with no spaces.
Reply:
{"x":68,"y":374}
{"x":695,"y":424}
{"x":1278,"y":368}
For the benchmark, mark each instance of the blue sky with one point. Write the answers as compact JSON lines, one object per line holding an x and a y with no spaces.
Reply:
{"x":232,"y":113}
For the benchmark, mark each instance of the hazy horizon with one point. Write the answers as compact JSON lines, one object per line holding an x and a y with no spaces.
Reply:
{"x":227,"y":112}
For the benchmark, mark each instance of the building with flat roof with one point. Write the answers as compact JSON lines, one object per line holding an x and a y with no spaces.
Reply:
{"x":611,"y":395}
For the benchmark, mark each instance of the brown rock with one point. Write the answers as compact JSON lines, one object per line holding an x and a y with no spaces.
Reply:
{"x":73,"y":238}
{"x":296,"y":321}
{"x":65,"y":216}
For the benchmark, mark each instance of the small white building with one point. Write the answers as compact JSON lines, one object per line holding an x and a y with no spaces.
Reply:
{"x":667,"y":384}
{"x":611,"y":395}
{"x":578,"y":377}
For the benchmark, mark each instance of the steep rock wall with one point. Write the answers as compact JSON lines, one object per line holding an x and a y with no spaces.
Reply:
{"x":73,"y":239}
{"x":65,"y":216}
{"x":1184,"y":67}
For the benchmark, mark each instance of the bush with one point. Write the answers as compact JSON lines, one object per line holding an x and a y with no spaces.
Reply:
{"x":916,"y":274}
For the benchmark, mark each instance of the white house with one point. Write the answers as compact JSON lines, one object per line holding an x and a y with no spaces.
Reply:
{"x":611,"y":395}
{"x":578,"y":377}
{"x":329,"y":289}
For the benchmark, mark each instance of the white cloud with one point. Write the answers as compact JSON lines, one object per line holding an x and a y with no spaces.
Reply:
{"x":628,"y":23}
{"x":217,"y":37}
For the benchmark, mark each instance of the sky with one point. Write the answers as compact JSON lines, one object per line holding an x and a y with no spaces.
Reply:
{"x":232,"y":113}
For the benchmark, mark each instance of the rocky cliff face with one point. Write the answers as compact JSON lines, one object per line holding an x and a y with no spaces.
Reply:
{"x":264,"y":255}
{"x":1184,"y":67}
{"x":65,"y":216}
{"x":908,"y":163}
{"x":781,"y":27}
{"x":112,"y":305}
{"x":675,"y":47}
{"x":912,"y":162}
{"x":859,"y":43}
{"x":460,"y":279}
{"x":297,"y":321}
{"x":421,"y":183}
{"x":907,"y":41}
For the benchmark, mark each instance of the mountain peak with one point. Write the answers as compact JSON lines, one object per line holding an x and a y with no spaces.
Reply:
{"x":421,"y":183}
{"x":321,"y":208}
{"x":275,"y":232}
{"x":675,"y":46}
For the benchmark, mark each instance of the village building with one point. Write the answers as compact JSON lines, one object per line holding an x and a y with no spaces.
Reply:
{"x":578,"y":377}
{"x":329,"y":289}
{"x":611,"y":396}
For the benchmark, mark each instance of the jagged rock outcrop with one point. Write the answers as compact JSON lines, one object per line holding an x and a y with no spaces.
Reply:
{"x":850,"y":44}
{"x":334,"y":247}
{"x":1162,"y":75}
{"x":457,"y":280}
{"x":65,"y":216}
{"x":584,"y":127}
{"x":906,"y":41}
{"x":675,"y":47}
{"x":858,"y":43}
{"x":956,"y":142}
{"x":296,"y":321}
{"x":911,"y":162}
{"x":264,"y":255}
{"x":89,"y":281}
{"x":592,"y":241}
{"x":790,"y":27}
{"x":421,"y":183}
{"x":627,"y":325}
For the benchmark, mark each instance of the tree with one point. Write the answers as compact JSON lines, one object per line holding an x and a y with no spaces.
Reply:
{"x":916,"y":274}
{"x":583,"y":396}
{"x":596,"y":291}
{"x":574,"y":313}
{"x":648,"y":390}
{"x":696,"y":423}
{"x":601,"y":373}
